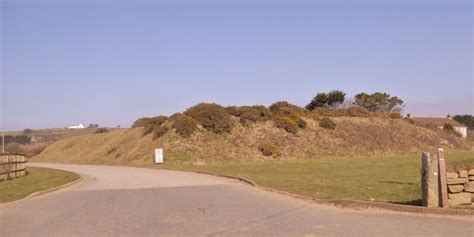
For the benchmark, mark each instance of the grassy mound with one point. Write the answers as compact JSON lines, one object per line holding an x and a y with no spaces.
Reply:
{"x":353,"y":136}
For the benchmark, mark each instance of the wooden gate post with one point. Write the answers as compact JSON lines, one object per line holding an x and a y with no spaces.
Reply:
{"x":443,"y":194}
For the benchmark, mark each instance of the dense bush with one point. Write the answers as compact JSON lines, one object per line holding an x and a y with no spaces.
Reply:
{"x":159,"y":132}
{"x":275,"y":107}
{"x":288,"y":117}
{"x":152,"y":122}
{"x":184,"y":125}
{"x":286,"y":123}
{"x":269,"y":149}
{"x":22,"y":139}
{"x":327,"y":123}
{"x":448,"y":127}
{"x":234,"y":110}
{"x":212,"y":117}
{"x":253,"y":114}
{"x":101,"y":130}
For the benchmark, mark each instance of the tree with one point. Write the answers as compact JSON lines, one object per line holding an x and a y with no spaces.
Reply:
{"x":465,"y":119}
{"x":27,"y":131}
{"x":379,"y":102}
{"x":327,"y":100}
{"x":335,"y":98}
{"x":318,"y":101}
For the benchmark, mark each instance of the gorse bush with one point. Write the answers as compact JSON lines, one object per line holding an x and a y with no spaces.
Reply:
{"x":234,"y":110}
{"x":184,"y":125}
{"x":289,"y":120}
{"x":253,"y":114}
{"x":150,"y":124}
{"x":212,"y":117}
{"x":286,"y":123}
{"x":269,"y":149}
{"x":275,"y":107}
{"x":327,"y":123}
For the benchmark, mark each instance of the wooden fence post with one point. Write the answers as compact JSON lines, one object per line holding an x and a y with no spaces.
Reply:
{"x":443,"y":195}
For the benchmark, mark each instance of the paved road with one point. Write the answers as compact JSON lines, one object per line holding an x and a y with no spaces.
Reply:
{"x":129,"y":201}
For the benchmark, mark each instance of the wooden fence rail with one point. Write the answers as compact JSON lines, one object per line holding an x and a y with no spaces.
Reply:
{"x":12,"y":166}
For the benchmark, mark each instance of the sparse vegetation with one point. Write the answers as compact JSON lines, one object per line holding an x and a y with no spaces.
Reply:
{"x":159,"y":132}
{"x":212,"y":117}
{"x":327,"y":123}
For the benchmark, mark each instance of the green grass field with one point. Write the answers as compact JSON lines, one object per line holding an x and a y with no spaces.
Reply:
{"x":394,"y":179}
{"x":38,"y":179}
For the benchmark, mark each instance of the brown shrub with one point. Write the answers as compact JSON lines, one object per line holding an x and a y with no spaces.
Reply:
{"x":153,"y":121}
{"x":234,"y":110}
{"x":212,"y":117}
{"x":159,"y":132}
{"x":269,"y":149}
{"x":184,"y":125}
{"x":101,"y":130}
{"x":253,"y":114}
{"x":287,"y":123}
{"x":277,"y":106}
{"x":327,"y":123}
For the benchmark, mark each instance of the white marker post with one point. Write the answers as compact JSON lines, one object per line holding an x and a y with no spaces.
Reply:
{"x":159,"y":156}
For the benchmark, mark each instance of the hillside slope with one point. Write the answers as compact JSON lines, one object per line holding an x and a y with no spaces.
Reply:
{"x":354,"y":136}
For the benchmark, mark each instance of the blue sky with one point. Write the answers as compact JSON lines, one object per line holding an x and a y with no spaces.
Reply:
{"x":110,"y":62}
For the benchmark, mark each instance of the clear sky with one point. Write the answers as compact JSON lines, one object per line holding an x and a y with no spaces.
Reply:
{"x":110,"y":62}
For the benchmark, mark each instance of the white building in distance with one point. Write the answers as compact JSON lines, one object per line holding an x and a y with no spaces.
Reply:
{"x":79,"y":126}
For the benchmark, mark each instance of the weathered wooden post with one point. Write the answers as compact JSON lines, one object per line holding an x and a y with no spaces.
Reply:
{"x":443,"y":195}
{"x":429,"y":180}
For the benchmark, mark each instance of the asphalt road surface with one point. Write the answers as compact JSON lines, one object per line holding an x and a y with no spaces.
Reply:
{"x":125,"y":201}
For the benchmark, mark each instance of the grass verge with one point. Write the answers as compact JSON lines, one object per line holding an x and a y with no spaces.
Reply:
{"x":393,"y":179}
{"x":38,"y":179}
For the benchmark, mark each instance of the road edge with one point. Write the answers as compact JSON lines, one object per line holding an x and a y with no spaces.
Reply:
{"x":356,"y":204}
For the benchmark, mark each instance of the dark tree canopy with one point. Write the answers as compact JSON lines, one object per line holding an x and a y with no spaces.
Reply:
{"x":379,"y":102}
{"x":465,"y":119}
{"x":326,"y":100}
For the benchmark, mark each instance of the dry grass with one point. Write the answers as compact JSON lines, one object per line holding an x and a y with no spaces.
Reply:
{"x":352,"y":137}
